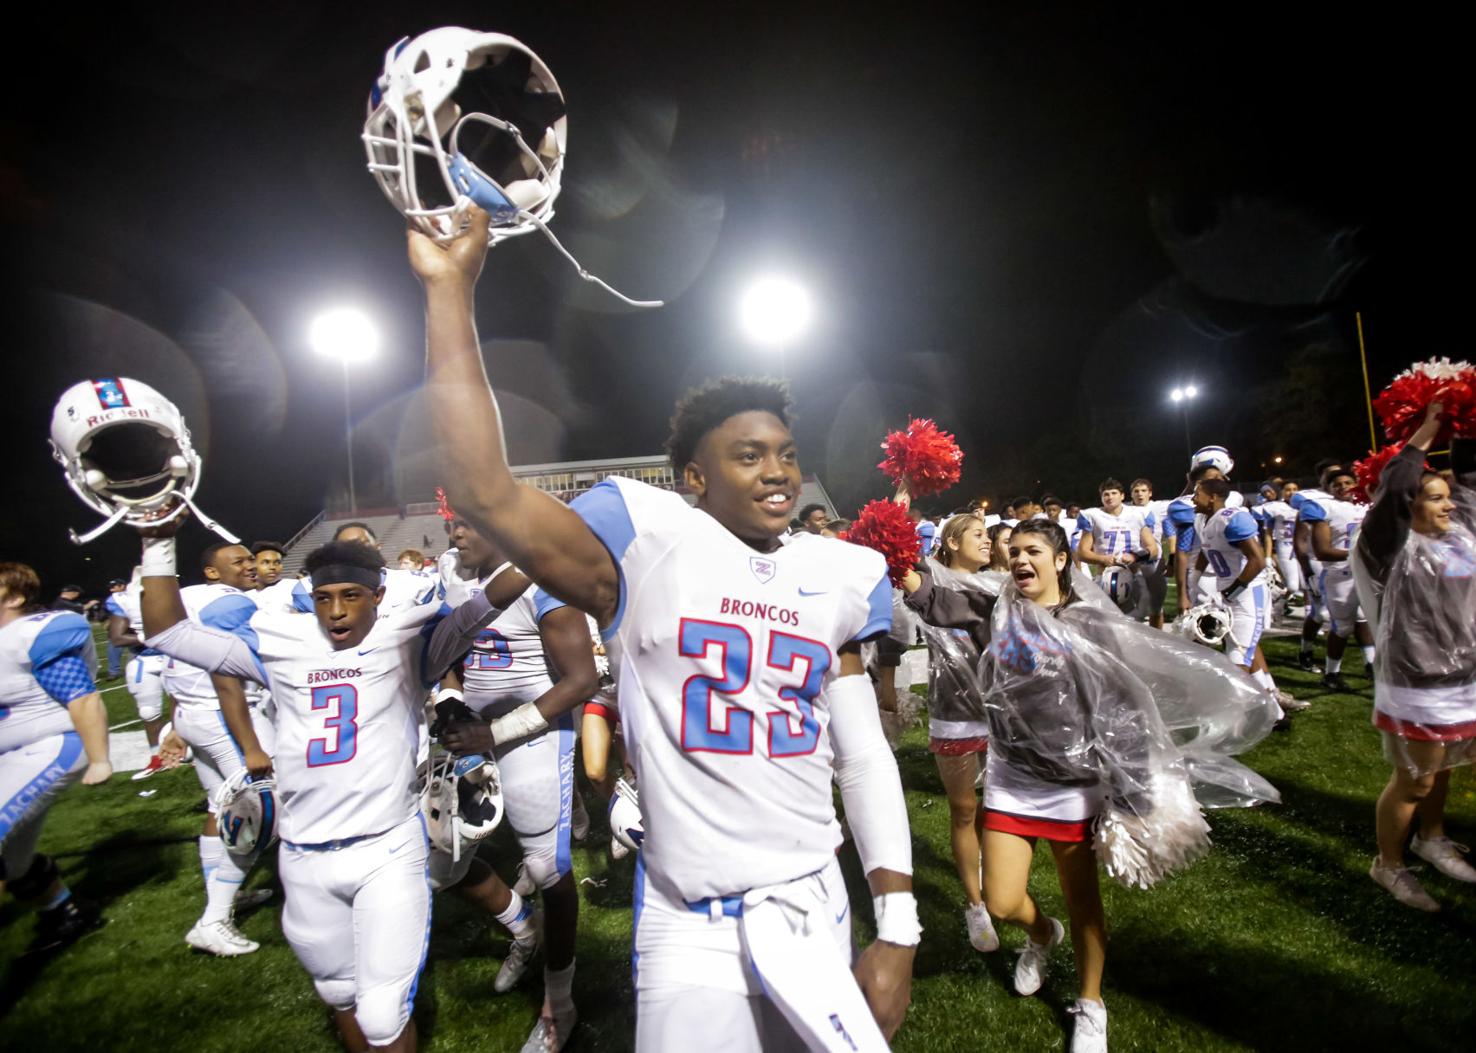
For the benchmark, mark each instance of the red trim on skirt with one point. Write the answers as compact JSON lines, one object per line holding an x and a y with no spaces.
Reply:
{"x":599,"y":709}
{"x":1410,"y":729}
{"x":1068,"y":830}
{"x":959,"y":747}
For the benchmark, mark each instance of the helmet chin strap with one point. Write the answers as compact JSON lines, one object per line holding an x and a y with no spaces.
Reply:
{"x":97,"y":531}
{"x":113,"y":520}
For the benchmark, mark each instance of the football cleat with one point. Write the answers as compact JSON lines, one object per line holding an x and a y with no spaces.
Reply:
{"x":220,"y":938}
{"x":551,"y":1033}
{"x":626,"y":825}
{"x":247,"y":816}
{"x":64,"y":924}
{"x":515,"y":964}
{"x":458,"y":118}
{"x":153,"y":767}
{"x":127,"y":454}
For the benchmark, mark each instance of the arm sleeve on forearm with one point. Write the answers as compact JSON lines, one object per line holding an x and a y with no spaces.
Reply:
{"x":209,"y":649}
{"x":454,"y":635}
{"x":950,"y":608}
{"x":1386,"y":526}
{"x":866,"y":772}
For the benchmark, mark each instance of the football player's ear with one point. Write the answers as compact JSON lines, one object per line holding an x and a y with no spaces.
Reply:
{"x":379,"y":596}
{"x":693,"y":478}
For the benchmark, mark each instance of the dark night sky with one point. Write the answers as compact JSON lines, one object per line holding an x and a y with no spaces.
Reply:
{"x":1027,"y":224}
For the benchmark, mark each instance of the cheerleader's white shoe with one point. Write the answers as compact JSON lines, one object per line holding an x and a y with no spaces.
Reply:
{"x":1090,"y":1033}
{"x":982,"y":936}
{"x":1445,"y":856}
{"x":1030,"y":970}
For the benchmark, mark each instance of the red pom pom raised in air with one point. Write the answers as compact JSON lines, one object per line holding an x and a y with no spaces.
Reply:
{"x":923,"y":458}
{"x":1369,"y":470}
{"x":1401,"y":406}
{"x":443,"y":506}
{"x":886,"y":527}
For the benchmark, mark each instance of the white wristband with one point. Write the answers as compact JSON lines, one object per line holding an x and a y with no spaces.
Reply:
{"x":448,"y":693}
{"x":158,"y":558}
{"x":896,"y":918}
{"x":519,"y":724}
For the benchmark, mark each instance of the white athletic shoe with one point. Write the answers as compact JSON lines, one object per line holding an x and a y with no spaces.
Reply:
{"x":515,"y":964}
{"x":1090,"y":1033}
{"x":1445,"y":856}
{"x":982,"y":936}
{"x":579,"y":823}
{"x":248,"y":898}
{"x":220,"y":938}
{"x":618,"y":848}
{"x":550,"y":1034}
{"x":1403,"y":886}
{"x":1290,"y":702}
{"x":1030,"y":970}
{"x":523,"y":886}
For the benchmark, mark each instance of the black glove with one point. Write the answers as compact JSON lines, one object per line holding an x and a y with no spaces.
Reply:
{"x":450,"y":709}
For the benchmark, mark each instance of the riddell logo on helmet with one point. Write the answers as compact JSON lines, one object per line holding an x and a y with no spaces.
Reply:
{"x":117,"y":414}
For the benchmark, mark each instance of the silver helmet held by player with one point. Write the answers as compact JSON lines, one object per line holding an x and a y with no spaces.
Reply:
{"x":126,"y":452}
{"x":461,"y":799}
{"x":460,"y":118}
{"x":626,"y":823}
{"x":1207,"y":623}
{"x":247,"y":816}
{"x":1215,"y":457}
{"x":1121,"y":586}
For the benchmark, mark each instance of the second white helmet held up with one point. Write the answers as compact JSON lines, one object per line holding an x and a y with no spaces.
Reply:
{"x":1216,"y":456}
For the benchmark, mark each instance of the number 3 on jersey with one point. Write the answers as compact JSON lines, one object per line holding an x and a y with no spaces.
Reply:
{"x":341,"y":731}
{"x":733,"y":648}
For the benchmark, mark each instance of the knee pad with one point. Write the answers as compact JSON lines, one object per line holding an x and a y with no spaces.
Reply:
{"x":150,"y":709}
{"x":543,"y":865}
{"x":382,"y":1013}
{"x":37,"y":878}
{"x":337,"y":993}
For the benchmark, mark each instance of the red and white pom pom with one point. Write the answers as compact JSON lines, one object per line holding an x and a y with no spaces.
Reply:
{"x":886,"y":527}
{"x":1369,"y":470}
{"x":443,"y":506}
{"x":1401,"y":406}
{"x":923,"y":458}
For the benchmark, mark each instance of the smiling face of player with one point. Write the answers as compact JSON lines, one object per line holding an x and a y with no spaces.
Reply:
{"x":346,"y":612}
{"x":745,"y":473}
{"x":1142,"y":494}
{"x":1431,"y":509}
{"x":1204,"y":503}
{"x":232,"y":565}
{"x":477,"y":553}
{"x":1287,"y":490}
{"x":1342,"y":487}
{"x":268,"y":567}
{"x":1112,"y":501}
{"x":1036,"y":567}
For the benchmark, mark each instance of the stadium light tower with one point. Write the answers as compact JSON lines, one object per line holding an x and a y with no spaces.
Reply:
{"x":1181,"y":397}
{"x":349,"y":336}
{"x":775,"y":311}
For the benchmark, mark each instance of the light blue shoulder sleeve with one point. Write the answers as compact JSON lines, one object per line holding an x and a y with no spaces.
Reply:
{"x":59,"y":658}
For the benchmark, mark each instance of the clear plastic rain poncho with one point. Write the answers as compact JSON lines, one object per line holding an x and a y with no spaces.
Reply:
{"x":1088,"y":697}
{"x":1419,"y":593}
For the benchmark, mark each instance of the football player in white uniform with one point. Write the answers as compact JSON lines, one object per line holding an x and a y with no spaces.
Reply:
{"x":1119,"y":535}
{"x":230,"y":575}
{"x":144,"y":673}
{"x":742,"y":694}
{"x":1212,"y":462}
{"x":53,"y":729}
{"x":1279,"y":523}
{"x":349,"y":689}
{"x":402,"y":588}
{"x":1335,"y":521}
{"x":1155,"y":575}
{"x":273,"y":590}
{"x":524,"y":677}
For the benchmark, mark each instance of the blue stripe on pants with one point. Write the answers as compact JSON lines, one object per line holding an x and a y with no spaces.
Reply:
{"x":20,"y":802}
{"x":563,"y":858}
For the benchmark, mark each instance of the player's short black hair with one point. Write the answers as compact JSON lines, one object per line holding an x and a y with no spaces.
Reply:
{"x":1332,"y":472}
{"x":1051,"y":499}
{"x":207,"y":558}
{"x":809,"y":510}
{"x":351,"y":553}
{"x":1324,"y":464}
{"x":1022,"y":502}
{"x":1215,"y":487}
{"x":1110,"y":484}
{"x":1197,"y":472}
{"x":349,"y":526}
{"x":702,"y":409}
{"x":268,"y":546}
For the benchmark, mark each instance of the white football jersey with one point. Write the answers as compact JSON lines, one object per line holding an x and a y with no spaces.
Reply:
{"x":1281,"y":522}
{"x":214,"y":606}
{"x":348,"y":722}
{"x":1344,"y":519}
{"x":279,"y":597}
{"x":1112,"y":535}
{"x":721,"y":654}
{"x":1219,"y":538}
{"x":506,"y":666}
{"x":46,"y":661}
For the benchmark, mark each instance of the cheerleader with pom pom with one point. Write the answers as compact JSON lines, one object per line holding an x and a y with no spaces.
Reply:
{"x":1082,"y":747}
{"x":1415,"y":564}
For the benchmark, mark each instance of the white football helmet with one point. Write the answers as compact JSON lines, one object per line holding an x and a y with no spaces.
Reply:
{"x":459,"y":117}
{"x":1207,"y":623}
{"x":247,"y":816}
{"x":1217,"y":456}
{"x":1121,"y":586}
{"x":126,"y":451}
{"x":461,"y":799}
{"x":626,"y":824}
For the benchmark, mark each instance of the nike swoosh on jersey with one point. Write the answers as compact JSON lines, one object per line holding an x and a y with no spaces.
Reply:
{"x":844,"y":911}
{"x":817,"y":592}
{"x":369,"y":651}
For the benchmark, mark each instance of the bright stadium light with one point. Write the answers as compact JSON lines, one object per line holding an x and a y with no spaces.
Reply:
{"x":349,"y":336}
{"x":1191,"y":392}
{"x":774,"y":311}
{"x":1177,"y":395}
{"x":1181,"y":397}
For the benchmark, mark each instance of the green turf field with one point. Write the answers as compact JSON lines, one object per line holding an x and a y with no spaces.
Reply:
{"x":1278,"y":940}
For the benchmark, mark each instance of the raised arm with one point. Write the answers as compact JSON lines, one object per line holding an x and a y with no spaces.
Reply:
{"x":454,"y":635}
{"x":550,"y":543}
{"x":120,"y":634}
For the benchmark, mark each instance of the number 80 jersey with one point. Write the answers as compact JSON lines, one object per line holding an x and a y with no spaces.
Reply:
{"x":721,"y":654}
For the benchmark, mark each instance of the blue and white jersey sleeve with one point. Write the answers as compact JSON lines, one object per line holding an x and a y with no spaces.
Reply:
{"x":62,"y":658}
{"x":1312,"y":511}
{"x":1241,"y":527}
{"x":877,"y":607}
{"x":113,"y":607}
{"x":631,"y":520}
{"x":1181,"y":519}
{"x":543,"y":603}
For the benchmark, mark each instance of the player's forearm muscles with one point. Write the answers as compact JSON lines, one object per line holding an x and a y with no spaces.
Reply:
{"x":565,"y":634}
{"x":236,"y":711}
{"x":161,"y":605}
{"x":119,"y":634}
{"x":90,"y":718}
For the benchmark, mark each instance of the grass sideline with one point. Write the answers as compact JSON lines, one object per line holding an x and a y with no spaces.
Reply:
{"x":1278,"y":940}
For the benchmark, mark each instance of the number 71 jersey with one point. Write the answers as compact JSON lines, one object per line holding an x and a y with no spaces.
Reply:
{"x":721,"y":654}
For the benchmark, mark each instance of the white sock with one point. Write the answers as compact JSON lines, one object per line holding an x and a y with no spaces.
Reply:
{"x":1334,"y":665}
{"x":518,"y":918}
{"x":1368,"y":653}
{"x":1263,"y":678}
{"x":558,"y":988}
{"x":222,"y":880}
